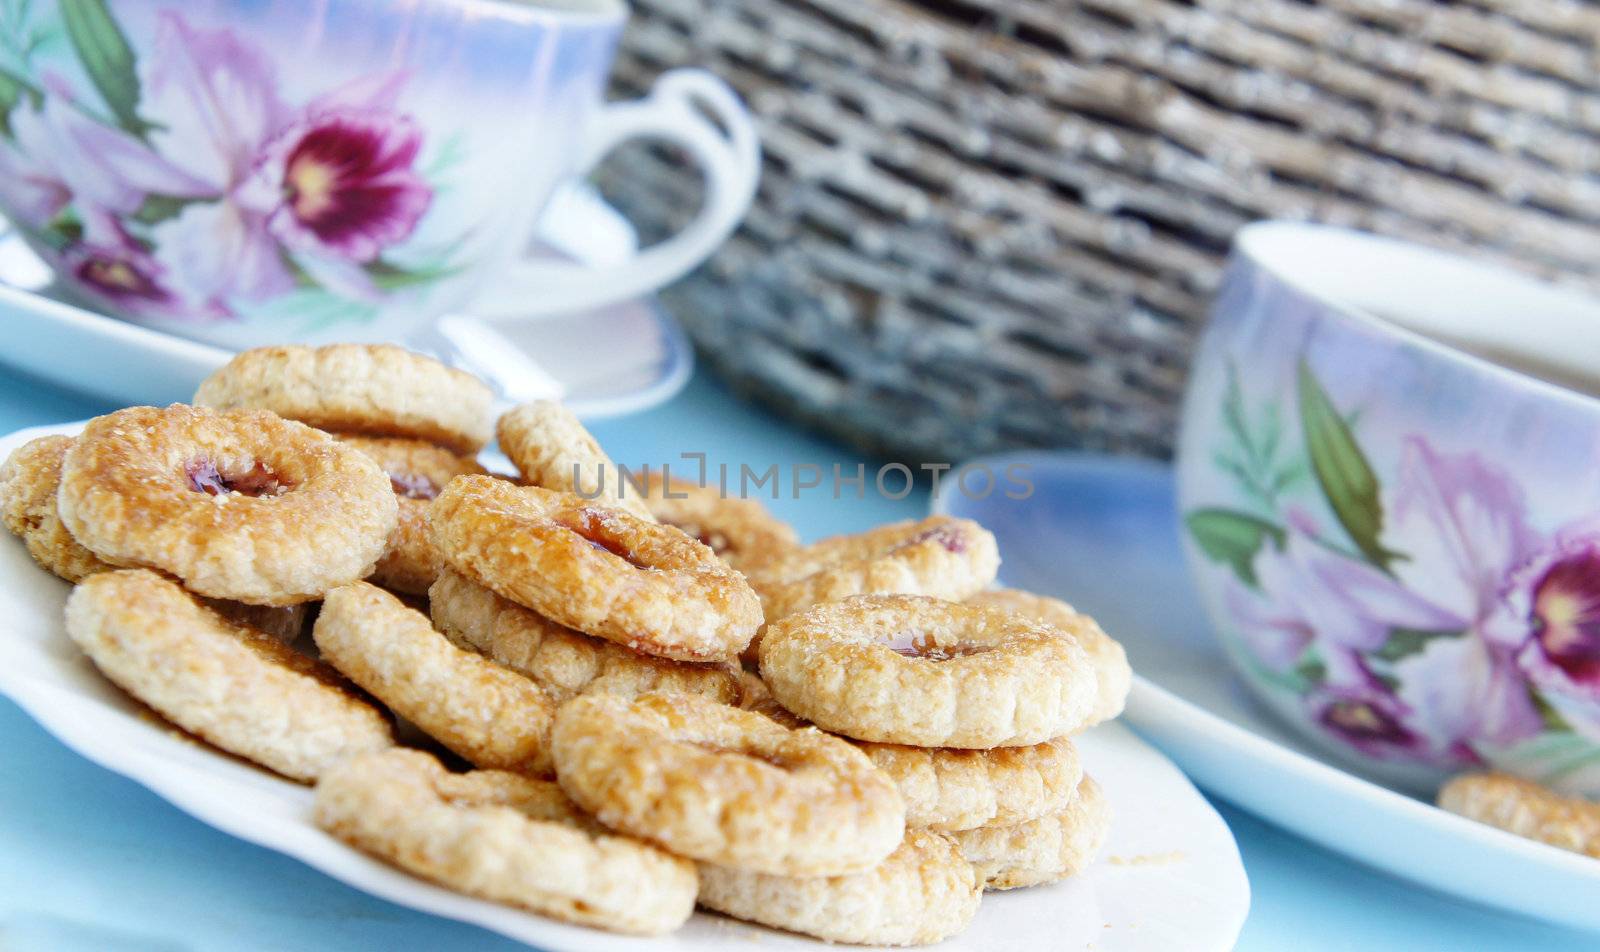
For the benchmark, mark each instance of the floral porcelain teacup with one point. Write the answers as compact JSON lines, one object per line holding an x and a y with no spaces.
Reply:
{"x":1389,"y":473}
{"x":258,"y":171}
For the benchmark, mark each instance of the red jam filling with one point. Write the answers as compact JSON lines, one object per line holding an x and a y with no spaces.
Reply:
{"x":945,"y":536}
{"x":412,"y":486}
{"x":258,"y":480}
{"x":593,"y":525}
{"x":917,"y":644}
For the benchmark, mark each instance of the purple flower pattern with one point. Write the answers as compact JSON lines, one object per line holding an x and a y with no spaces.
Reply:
{"x":256,"y":197}
{"x":1460,"y":630}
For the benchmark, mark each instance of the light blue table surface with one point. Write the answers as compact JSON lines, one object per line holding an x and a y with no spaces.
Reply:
{"x":92,"y":862}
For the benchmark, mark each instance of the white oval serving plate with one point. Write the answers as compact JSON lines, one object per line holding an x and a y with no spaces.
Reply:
{"x":1170,"y":876}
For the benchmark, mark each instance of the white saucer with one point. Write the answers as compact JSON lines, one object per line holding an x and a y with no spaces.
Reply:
{"x":644,"y":360}
{"x":1169,"y":877}
{"x":1102,"y":533}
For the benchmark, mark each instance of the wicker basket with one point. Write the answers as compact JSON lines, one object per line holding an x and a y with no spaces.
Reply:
{"x":996,"y":223}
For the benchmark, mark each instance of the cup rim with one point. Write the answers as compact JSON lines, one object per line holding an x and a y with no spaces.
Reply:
{"x":587,"y":12}
{"x":1248,"y":244}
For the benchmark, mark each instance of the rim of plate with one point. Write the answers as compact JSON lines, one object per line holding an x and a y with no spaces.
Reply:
{"x":678,"y":360}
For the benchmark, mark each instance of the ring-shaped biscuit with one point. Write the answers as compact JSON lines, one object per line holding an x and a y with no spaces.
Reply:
{"x":244,"y":691}
{"x":241,"y":505}
{"x":417,"y":472}
{"x":503,"y":837}
{"x":376,"y":389}
{"x":905,"y":669}
{"x":721,"y":785}
{"x":939,"y":556}
{"x":1045,"y":850}
{"x":1112,"y":672}
{"x":552,"y":449}
{"x":741,"y":531}
{"x":599,"y":571}
{"x":562,"y":661}
{"x":949,"y":790}
{"x":489,"y":715}
{"x":1526,"y":809}
{"x":28,"y":483}
{"x":922,"y":893}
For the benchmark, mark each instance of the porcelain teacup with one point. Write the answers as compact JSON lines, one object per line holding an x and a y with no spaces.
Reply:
{"x":1388,"y":478}
{"x":249,"y":172}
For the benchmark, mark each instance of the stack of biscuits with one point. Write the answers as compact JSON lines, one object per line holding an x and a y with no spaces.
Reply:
{"x":599,"y":701}
{"x":981,"y":750}
{"x":423,"y":423}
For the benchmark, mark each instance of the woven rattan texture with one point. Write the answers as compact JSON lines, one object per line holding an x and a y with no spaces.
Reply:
{"x":997,"y":223}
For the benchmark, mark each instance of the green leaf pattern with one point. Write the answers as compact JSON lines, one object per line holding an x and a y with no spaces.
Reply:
{"x":1346,"y":478}
{"x":1256,"y":454}
{"x":1232,"y":538}
{"x":1405,"y":642}
{"x":107,"y":58}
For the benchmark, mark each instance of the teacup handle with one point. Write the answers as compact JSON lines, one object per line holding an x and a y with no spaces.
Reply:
{"x":730,"y":160}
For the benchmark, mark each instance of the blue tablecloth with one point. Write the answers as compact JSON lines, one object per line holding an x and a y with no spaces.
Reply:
{"x":92,"y":862}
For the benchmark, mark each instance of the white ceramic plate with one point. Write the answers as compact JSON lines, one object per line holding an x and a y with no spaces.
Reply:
{"x":646,"y":358}
{"x":1170,"y":877}
{"x":1103,"y":534}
